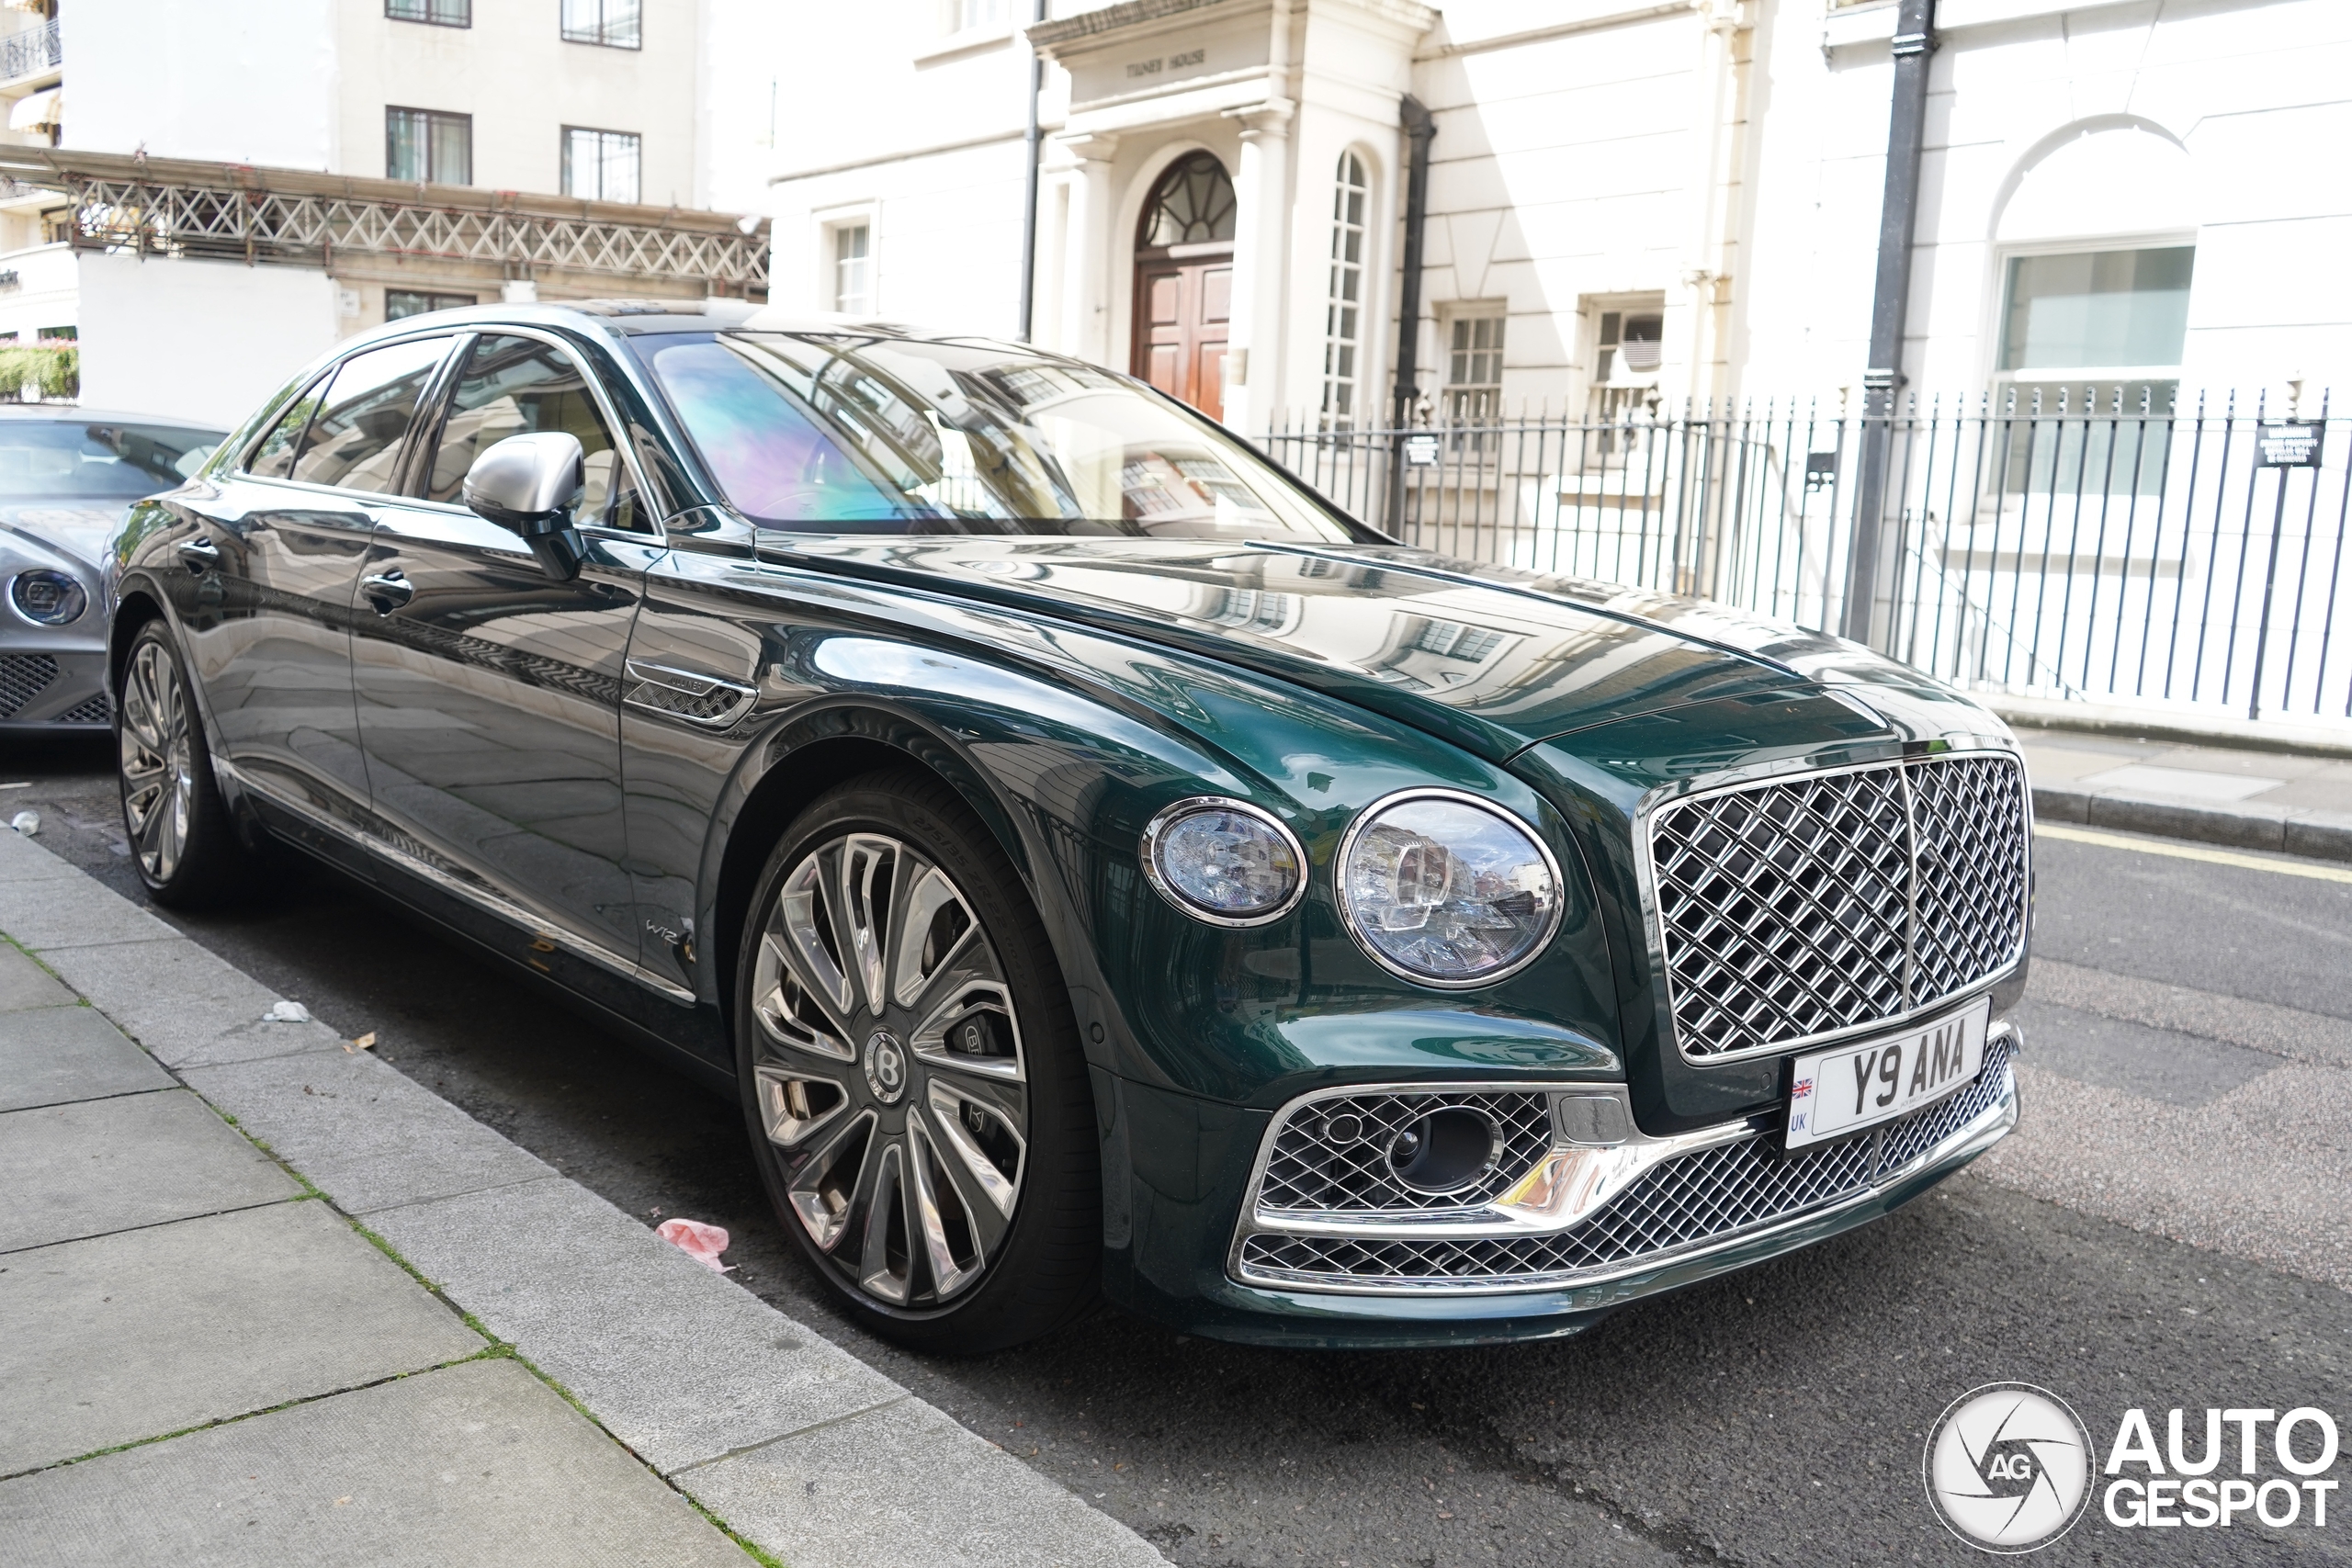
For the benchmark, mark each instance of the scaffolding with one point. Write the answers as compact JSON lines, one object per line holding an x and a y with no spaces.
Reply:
{"x":179,"y":208}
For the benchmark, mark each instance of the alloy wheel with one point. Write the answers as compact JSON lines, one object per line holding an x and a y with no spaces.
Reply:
{"x":158,"y":760}
{"x":889,"y":1072}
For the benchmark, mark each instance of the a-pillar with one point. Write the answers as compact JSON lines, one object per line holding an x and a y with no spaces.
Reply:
{"x":1087,"y":247}
{"x":1253,"y":373}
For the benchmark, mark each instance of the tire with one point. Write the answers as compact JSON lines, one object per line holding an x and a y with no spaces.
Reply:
{"x":182,"y":840}
{"x":922,"y":1122}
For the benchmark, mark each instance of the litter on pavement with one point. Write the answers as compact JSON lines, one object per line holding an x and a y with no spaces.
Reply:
{"x":698,"y":1241}
{"x":26,"y":822}
{"x":286,"y":1013}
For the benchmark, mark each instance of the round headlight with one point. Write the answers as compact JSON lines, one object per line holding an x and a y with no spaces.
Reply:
{"x":1447,"y":891}
{"x":50,"y":597}
{"x":1224,"y":861}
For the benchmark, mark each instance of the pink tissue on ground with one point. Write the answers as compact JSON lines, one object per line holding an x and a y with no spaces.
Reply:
{"x":698,"y":1241}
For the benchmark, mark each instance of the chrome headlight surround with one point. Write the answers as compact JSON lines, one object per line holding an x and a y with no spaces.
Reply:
{"x":48,"y":597}
{"x":1370,"y":814}
{"x":1167,"y":817}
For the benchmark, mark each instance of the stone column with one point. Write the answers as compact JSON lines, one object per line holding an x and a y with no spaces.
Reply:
{"x":1253,"y":366}
{"x":1087,"y":251}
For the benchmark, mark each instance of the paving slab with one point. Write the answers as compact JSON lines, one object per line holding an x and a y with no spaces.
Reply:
{"x":946,"y":1499}
{"x":705,"y":1367}
{"x":479,"y":1464}
{"x":112,"y":1165}
{"x":188,"y":1006}
{"x":57,"y":913}
{"x":24,"y":983}
{"x":51,"y":1055}
{"x":368,"y":1136}
{"x":128,"y":1337}
{"x":23,"y":860}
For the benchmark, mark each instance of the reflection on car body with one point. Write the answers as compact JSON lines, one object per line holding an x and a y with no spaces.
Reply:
{"x":1096,"y":864}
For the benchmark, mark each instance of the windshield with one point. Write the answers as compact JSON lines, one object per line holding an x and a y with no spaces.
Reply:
{"x":63,"y":460}
{"x":860,"y":433}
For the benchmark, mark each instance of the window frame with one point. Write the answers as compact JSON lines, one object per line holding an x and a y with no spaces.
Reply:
{"x":435,"y":401}
{"x":563,"y":154}
{"x":242,"y":464}
{"x":2004,"y":260}
{"x":831,"y":229}
{"x":600,"y":35}
{"x":1463,"y":312}
{"x":1357,"y":380}
{"x":466,"y":301}
{"x":466,"y":9}
{"x":431,"y":117}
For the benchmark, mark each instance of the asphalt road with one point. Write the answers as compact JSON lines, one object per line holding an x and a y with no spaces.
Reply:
{"x":1775,"y":1418}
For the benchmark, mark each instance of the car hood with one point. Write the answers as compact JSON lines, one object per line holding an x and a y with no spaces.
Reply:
{"x":77,"y":530}
{"x":1494,"y":660}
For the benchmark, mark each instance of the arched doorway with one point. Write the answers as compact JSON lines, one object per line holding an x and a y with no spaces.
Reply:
{"x":1184,"y":283}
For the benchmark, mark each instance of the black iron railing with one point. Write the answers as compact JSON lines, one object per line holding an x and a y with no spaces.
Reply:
{"x":30,"y":52}
{"x":2102,"y":544}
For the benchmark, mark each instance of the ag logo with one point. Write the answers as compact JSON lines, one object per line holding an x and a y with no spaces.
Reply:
{"x":2008,"y":1468}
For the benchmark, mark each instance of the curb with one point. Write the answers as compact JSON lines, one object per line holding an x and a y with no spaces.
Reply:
{"x":799,"y":1447}
{"x":2139,"y":724}
{"x":2282,"y":829}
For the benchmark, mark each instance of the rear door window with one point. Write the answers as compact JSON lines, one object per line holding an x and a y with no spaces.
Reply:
{"x":360,"y":431}
{"x":274,"y":458}
{"x":515,"y":386}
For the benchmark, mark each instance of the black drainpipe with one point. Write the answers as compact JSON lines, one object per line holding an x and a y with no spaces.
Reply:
{"x":1419,"y":129}
{"x":1914,"y":42}
{"x":1029,"y":209}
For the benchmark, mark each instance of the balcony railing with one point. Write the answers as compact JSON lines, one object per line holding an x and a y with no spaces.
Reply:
{"x":30,"y":52}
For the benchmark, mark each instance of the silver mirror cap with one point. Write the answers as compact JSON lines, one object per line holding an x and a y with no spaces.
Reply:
{"x":527,"y":480}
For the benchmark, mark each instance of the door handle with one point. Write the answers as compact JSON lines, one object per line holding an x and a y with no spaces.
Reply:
{"x":388,"y":591}
{"x":200,"y":555}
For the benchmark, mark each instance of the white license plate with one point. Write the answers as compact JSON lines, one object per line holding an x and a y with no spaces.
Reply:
{"x":1848,"y":1088}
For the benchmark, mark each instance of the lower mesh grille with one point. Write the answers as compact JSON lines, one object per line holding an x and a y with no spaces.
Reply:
{"x":1708,"y":1195}
{"x":91,"y":710}
{"x":1311,"y":1170}
{"x":23,"y":677}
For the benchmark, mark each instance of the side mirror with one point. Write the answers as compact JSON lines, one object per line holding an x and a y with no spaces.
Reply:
{"x":529,"y":483}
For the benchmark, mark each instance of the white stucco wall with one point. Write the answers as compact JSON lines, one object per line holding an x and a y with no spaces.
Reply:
{"x":196,"y":340}
{"x":254,"y":82}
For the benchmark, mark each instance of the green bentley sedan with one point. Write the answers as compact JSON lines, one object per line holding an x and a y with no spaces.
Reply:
{"x":1098,"y":866}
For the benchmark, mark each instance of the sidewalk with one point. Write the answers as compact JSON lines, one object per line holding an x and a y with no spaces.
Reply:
{"x":2287,"y":802}
{"x":219,"y":1343}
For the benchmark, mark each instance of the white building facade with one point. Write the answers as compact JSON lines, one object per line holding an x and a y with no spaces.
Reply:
{"x":1627,"y":203}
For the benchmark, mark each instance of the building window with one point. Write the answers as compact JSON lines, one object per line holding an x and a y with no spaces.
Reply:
{"x":2097,"y":310}
{"x":971,"y":15}
{"x":1343,"y":308}
{"x":439,"y":13}
{"x":1628,"y":345}
{"x":1474,"y":369}
{"x":1192,"y":205}
{"x":854,"y":269}
{"x":613,"y":23}
{"x":426,"y":144}
{"x":601,"y":166}
{"x":401,"y":303}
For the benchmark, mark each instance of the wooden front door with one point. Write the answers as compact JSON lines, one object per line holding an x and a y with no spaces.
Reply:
{"x":1183,"y":307}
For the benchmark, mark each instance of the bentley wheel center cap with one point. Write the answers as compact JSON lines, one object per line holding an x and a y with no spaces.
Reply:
{"x":886,"y":1067}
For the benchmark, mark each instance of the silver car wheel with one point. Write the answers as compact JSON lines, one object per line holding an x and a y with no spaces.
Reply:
{"x":158,"y":760}
{"x":889,"y":1070}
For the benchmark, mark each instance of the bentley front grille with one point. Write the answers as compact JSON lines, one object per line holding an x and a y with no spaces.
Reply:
{"x":1338,"y":1154}
{"x":1708,"y":1196}
{"x":89,"y":710}
{"x":23,"y":677}
{"x":1801,"y":909}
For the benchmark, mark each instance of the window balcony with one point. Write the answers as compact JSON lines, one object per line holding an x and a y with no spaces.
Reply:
{"x":30,"y":58}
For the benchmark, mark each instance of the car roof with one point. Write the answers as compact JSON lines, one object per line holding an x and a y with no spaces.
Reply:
{"x":74,"y":414}
{"x":636,"y":318}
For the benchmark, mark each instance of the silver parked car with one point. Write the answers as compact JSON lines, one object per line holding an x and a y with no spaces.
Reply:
{"x":66,"y":474}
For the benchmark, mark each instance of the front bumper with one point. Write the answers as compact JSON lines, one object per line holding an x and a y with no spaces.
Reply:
{"x":1376,"y":1303}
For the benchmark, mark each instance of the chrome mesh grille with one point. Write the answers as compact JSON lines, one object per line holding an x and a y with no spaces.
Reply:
{"x":90,"y":710}
{"x":1800,"y":908}
{"x":1707,"y":1196}
{"x":1310,"y":1171}
{"x":23,"y":677}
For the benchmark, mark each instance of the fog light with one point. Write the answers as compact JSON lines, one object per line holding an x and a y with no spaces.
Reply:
{"x":1443,"y":1151}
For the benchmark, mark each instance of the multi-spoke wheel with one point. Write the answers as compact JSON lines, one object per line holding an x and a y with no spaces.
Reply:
{"x":179,"y":832}
{"x":915,"y":1082}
